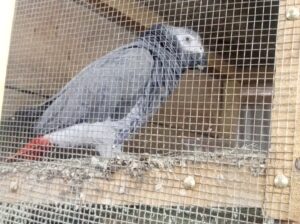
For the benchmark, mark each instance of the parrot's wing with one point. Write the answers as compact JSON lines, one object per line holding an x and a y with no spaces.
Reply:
{"x":105,"y":88}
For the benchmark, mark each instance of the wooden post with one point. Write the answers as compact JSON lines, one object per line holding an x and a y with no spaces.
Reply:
{"x":6,"y":18}
{"x":284,"y":202}
{"x":230,"y":111}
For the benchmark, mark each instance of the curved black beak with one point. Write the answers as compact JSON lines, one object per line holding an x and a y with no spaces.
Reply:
{"x":203,"y":62}
{"x":199,"y":62}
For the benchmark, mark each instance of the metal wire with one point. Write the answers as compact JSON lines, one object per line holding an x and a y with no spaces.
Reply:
{"x":214,"y":130}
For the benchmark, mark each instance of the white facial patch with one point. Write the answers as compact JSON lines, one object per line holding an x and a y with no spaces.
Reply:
{"x":189,"y":40}
{"x":190,"y":43}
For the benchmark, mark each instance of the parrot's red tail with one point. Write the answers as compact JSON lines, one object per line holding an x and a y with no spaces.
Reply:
{"x":36,"y":149}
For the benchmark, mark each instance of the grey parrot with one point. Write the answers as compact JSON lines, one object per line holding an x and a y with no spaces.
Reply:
{"x":117,"y":94}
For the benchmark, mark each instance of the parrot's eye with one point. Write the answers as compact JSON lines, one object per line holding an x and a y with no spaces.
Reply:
{"x":188,"y":39}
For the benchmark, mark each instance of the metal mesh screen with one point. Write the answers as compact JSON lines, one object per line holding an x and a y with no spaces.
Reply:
{"x":142,"y":135}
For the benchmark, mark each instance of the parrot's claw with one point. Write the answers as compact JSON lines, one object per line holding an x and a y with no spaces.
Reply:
{"x":36,"y":149}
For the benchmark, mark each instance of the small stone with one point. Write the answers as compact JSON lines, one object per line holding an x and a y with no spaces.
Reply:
{"x":113,"y":168}
{"x":269,"y":221}
{"x":94,"y":161}
{"x":134,"y":165}
{"x":262,"y":166}
{"x":144,"y":157}
{"x":281,"y":181}
{"x":13,"y":186}
{"x":158,"y":163}
{"x":103,"y":165}
{"x":98,"y":175}
{"x":189,"y":182}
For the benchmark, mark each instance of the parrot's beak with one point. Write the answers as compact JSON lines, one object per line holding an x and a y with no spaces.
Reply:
{"x":199,"y":62}
{"x":202,"y":63}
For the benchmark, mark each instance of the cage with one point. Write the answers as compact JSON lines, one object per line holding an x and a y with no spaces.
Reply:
{"x":223,"y":147}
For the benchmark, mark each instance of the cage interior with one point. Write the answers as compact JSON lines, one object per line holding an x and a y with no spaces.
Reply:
{"x":228,"y":105}
{"x":219,"y":117}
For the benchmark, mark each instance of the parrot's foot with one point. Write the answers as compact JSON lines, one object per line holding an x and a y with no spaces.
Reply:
{"x":36,"y":149}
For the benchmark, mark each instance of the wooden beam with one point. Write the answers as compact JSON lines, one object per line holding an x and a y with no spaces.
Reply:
{"x":156,"y":182}
{"x":133,"y":11}
{"x":257,"y":91}
{"x":284,"y":203}
{"x":128,"y":14}
{"x":230,"y":110}
{"x":223,"y":69}
{"x":6,"y":19}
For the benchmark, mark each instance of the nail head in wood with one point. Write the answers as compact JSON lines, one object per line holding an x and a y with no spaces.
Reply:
{"x":293,"y":13}
{"x":189,"y":182}
{"x":297,"y":164}
{"x":281,"y":181}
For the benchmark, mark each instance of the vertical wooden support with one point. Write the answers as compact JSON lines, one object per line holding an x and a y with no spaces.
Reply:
{"x":230,"y":111}
{"x":6,"y":18}
{"x":284,"y":202}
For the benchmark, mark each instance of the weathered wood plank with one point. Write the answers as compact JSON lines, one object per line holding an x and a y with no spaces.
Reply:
{"x":224,"y":69}
{"x":230,"y":110}
{"x":6,"y":20}
{"x":161,"y":185}
{"x":284,"y":203}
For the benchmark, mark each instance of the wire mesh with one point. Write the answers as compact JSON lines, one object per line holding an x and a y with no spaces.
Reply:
{"x":199,"y":156}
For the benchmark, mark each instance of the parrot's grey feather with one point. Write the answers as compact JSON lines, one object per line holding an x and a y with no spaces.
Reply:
{"x":106,"y":86}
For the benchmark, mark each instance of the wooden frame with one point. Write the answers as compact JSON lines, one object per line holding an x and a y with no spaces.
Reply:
{"x":162,"y":185}
{"x":284,"y":203}
{"x":6,"y":21}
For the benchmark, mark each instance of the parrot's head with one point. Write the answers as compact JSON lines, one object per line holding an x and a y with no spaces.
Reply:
{"x":184,"y":42}
{"x":191,"y":48}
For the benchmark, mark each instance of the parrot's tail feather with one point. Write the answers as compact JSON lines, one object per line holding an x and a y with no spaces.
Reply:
{"x":36,"y":149}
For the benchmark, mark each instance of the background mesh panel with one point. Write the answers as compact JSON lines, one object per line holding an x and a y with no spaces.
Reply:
{"x":212,"y":151}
